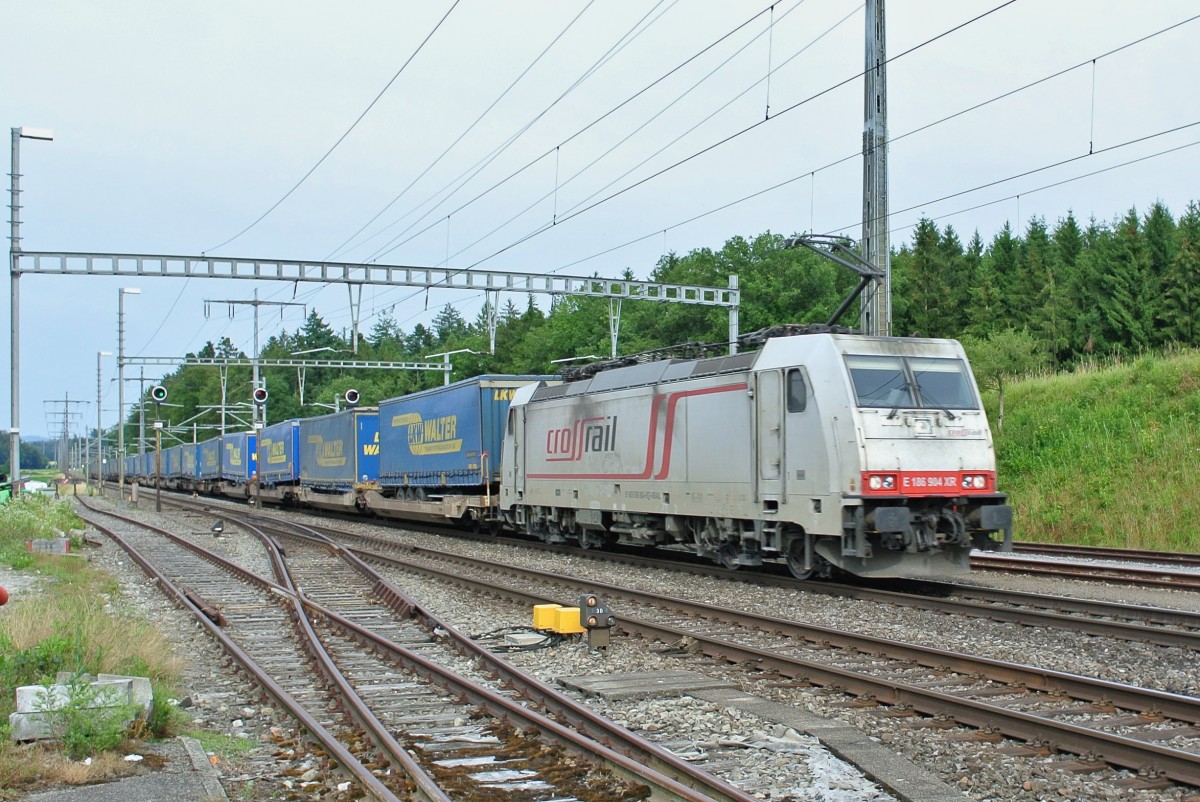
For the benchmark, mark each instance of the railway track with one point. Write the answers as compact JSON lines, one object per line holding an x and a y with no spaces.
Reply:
{"x":387,"y":657}
{"x":1176,"y":558}
{"x":1104,"y":722}
{"x":1160,"y":577}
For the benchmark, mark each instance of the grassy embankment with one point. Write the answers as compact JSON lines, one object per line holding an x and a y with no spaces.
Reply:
{"x":71,"y":622}
{"x":1106,"y":455}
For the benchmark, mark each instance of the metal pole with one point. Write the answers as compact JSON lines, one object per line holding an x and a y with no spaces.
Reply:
{"x":121,"y":293}
{"x":14,"y":248}
{"x":99,"y":423}
{"x":157,"y":460}
{"x":141,"y":412}
{"x":876,"y":303}
{"x":254,"y":364}
{"x":14,"y":191}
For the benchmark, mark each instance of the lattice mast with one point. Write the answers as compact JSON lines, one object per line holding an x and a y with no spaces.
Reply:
{"x":876,"y":302}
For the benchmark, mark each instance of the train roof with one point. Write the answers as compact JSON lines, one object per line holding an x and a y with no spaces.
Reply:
{"x":775,"y":352}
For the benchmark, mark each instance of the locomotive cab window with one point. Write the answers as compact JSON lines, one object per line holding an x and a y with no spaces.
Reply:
{"x":894,"y":382}
{"x":797,"y":394}
{"x":943,"y":383}
{"x":879,"y":381}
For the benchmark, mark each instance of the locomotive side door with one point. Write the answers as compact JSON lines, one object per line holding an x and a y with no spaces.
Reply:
{"x":516,"y":435}
{"x":768,"y":427}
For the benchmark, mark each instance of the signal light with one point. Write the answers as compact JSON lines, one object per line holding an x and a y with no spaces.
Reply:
{"x":594,"y":612}
{"x":260,"y":395}
{"x":351,"y":397}
{"x":158,"y":393}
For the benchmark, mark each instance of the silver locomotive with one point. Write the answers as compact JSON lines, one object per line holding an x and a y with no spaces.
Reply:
{"x":826,"y":450}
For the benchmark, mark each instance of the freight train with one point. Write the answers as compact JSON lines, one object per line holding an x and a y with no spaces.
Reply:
{"x":823,"y":449}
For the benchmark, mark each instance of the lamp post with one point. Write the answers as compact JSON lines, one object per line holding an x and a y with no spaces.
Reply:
{"x":14,"y":248}
{"x":121,"y":385}
{"x":99,"y":425}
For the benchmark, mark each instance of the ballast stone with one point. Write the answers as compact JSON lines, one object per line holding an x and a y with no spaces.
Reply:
{"x":32,"y":720}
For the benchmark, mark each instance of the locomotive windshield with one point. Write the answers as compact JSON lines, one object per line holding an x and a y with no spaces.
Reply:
{"x":911,"y":382}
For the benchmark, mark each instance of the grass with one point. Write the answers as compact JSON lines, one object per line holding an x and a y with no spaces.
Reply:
{"x":73,"y":624}
{"x":1108,"y":455}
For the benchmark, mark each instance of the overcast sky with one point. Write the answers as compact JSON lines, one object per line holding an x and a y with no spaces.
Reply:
{"x":178,"y":125}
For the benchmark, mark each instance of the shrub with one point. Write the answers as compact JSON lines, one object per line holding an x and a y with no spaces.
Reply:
{"x":88,"y":723}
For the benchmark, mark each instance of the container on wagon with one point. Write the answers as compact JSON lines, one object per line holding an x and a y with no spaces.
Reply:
{"x":450,"y":436}
{"x":340,"y":450}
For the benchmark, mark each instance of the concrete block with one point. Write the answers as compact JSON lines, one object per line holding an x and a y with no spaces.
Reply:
{"x":38,"y":698}
{"x":31,"y":722}
{"x":140,"y":692}
{"x":30,"y":727}
{"x":52,"y":545}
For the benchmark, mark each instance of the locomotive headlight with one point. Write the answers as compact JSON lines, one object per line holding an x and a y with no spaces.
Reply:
{"x":974,"y":481}
{"x":876,"y":482}
{"x":889,"y":482}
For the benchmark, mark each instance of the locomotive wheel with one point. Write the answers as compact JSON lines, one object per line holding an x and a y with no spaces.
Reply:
{"x":795,"y":563}
{"x":727,"y":556}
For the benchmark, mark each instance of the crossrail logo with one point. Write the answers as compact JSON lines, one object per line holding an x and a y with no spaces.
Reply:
{"x":432,"y":436}
{"x":584,"y":435}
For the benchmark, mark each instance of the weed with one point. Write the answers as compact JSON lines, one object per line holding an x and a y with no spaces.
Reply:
{"x":87,"y":719}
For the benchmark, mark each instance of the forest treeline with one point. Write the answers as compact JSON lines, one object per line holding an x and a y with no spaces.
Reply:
{"x":1045,"y":296}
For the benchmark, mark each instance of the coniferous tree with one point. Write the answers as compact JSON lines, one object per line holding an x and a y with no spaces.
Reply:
{"x":958,"y":275}
{"x":1158,"y":233}
{"x":1179,"y":315}
{"x":1120,"y":286}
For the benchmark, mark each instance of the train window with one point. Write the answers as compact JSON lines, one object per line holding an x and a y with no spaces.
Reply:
{"x":943,"y":383}
{"x":879,"y":381}
{"x":797,"y":394}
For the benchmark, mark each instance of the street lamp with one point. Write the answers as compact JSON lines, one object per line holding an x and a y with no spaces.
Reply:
{"x":14,"y":247}
{"x":99,"y":425}
{"x":121,"y":385}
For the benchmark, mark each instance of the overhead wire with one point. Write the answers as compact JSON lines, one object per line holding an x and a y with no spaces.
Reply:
{"x":353,"y":125}
{"x":733,"y":136}
{"x":1070,"y":180}
{"x":1035,"y":170}
{"x":659,"y":113}
{"x":897,"y":138}
{"x":469,"y":128}
{"x":639,"y":27}
{"x":568,"y":213}
{"x":483,"y":163}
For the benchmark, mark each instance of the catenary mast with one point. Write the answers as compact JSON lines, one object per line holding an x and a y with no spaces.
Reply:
{"x":876,"y":304}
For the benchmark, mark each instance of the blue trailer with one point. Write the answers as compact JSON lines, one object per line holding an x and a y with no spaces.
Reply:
{"x":238,"y":456}
{"x":188,"y":460}
{"x":278,"y":453}
{"x":170,"y":462}
{"x":208,"y":457}
{"x":340,"y":450}
{"x":447,"y":437}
